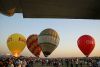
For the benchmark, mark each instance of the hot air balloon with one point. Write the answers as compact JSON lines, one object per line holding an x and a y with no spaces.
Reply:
{"x":16,"y":43}
{"x":32,"y":45}
{"x":8,"y":7}
{"x":11,"y":11}
{"x":86,"y":44}
{"x":48,"y":41}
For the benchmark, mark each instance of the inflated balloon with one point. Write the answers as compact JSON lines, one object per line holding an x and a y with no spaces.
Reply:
{"x":16,"y":43}
{"x":32,"y":45}
{"x":48,"y":41}
{"x":11,"y":11}
{"x":8,"y":7}
{"x":86,"y":44}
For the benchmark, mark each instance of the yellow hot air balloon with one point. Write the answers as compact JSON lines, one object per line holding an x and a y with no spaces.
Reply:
{"x":16,"y":43}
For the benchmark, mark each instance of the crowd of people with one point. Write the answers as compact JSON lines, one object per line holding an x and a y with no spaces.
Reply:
{"x":83,"y":62}
{"x":48,"y":62}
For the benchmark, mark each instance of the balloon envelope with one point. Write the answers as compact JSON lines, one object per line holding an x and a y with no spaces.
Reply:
{"x":48,"y":41}
{"x":86,"y":44}
{"x":32,"y":45}
{"x":16,"y":43}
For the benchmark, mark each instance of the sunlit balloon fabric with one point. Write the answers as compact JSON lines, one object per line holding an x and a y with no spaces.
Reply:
{"x":86,"y":44}
{"x":16,"y":43}
{"x":32,"y":45}
{"x":48,"y":41}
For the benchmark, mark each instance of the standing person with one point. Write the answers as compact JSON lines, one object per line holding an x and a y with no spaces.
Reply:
{"x":85,"y":62}
{"x":24,"y":63}
{"x":81,"y":63}
{"x":61,"y":61}
{"x":72,"y":62}
{"x":90,"y":64}
{"x":94,"y":64}
{"x":10,"y":63}
{"x":67,"y":62}
{"x":98,"y":63}
{"x":1,"y":63}
{"x":76,"y":62}
{"x":31,"y":62}
{"x":59,"y":64}
{"x":18,"y":63}
{"x":47,"y":61}
{"x":28,"y":64}
{"x":43,"y":62}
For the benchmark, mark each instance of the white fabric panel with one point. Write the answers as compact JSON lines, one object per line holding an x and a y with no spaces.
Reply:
{"x":49,"y":39}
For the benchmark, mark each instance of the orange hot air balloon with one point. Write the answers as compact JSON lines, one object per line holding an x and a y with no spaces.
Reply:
{"x":86,"y":44}
{"x":16,"y":44}
{"x":32,"y":45}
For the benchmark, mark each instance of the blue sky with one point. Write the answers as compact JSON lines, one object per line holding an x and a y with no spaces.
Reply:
{"x":69,"y":31}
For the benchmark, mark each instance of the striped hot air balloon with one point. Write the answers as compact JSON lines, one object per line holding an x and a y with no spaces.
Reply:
{"x":48,"y":41}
